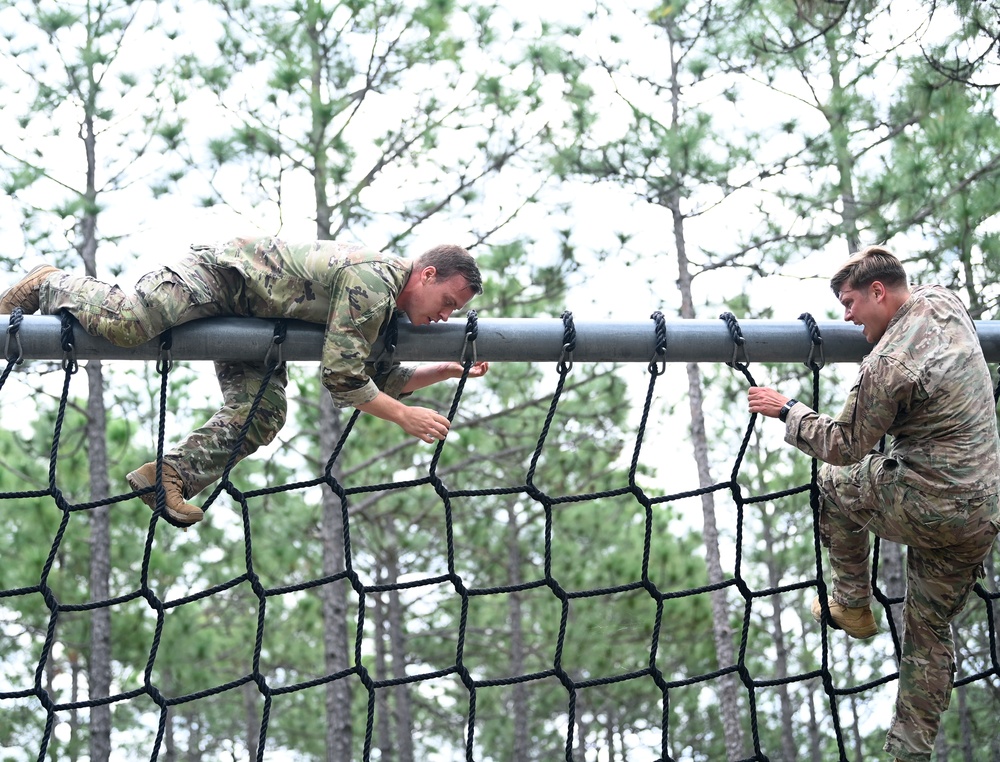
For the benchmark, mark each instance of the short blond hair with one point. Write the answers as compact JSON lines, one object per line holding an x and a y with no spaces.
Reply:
{"x":873,"y":263}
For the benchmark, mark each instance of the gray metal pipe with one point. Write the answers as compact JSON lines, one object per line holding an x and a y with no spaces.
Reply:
{"x":499,"y":339}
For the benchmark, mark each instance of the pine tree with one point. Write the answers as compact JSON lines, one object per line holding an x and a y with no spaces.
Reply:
{"x":81,"y":103}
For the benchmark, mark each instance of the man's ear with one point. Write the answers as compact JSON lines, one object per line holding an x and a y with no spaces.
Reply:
{"x":878,"y":290}
{"x":428,"y":274}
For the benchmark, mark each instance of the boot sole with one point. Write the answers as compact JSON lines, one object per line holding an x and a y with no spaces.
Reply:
{"x":138,"y":482}
{"x":857,"y":634}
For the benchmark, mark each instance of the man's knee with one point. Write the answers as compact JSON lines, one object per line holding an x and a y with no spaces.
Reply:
{"x":268,"y":419}
{"x":826,"y":481}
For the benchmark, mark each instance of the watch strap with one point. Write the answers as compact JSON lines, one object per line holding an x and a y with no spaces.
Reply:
{"x":783,"y":413}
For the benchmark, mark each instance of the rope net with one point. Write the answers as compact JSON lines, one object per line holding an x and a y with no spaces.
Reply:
{"x":436,"y":612}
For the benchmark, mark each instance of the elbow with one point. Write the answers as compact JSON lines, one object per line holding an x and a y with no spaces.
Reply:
{"x":846,"y":454}
{"x":843,"y":459}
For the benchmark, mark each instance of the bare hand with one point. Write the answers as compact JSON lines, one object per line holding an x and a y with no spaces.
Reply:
{"x":425,"y":424}
{"x":456,"y":369}
{"x":478,"y":369}
{"x":766,"y":401}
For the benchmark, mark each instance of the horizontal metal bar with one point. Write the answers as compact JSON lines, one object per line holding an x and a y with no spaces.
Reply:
{"x":499,"y":339}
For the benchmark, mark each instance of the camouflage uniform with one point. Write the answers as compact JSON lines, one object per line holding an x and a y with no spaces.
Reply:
{"x":935,"y":490}
{"x":350,"y":289}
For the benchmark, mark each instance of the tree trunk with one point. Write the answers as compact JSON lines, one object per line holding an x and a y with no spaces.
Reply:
{"x":383,"y":723}
{"x":966,"y":731}
{"x":194,"y":737}
{"x":334,"y":599}
{"x":99,"y":673}
{"x":722,"y":633}
{"x":610,"y":733}
{"x":402,"y":705}
{"x":73,"y":657}
{"x":169,"y":744}
{"x":581,"y":730}
{"x":99,"y":664}
{"x":840,"y":133}
{"x":855,"y":714}
{"x":250,"y":694}
{"x":521,"y":746}
{"x":941,"y":750}
{"x":780,"y":649}
{"x":814,"y":735}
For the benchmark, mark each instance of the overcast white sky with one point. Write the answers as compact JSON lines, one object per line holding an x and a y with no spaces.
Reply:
{"x":165,"y":228}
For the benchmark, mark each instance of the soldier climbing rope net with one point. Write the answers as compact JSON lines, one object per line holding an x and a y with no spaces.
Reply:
{"x":662,"y":714}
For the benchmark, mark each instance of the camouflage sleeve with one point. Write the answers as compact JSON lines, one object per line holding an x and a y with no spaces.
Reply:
{"x":394,"y":381}
{"x":882,"y":387}
{"x":360,"y":304}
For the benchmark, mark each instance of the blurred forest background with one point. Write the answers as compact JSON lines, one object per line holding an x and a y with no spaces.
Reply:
{"x":607,"y":157}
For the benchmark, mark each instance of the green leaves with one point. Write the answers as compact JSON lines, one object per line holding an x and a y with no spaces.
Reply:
{"x":52,"y":21}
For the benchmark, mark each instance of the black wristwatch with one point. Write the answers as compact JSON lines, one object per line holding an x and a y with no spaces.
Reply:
{"x":783,"y":413}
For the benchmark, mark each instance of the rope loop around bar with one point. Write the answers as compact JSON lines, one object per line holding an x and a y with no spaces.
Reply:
{"x":739,"y":343}
{"x":274,"y":348}
{"x":14,"y":331}
{"x":816,"y":345}
{"x":471,"y":334}
{"x":569,"y":343}
{"x":658,"y":363}
{"x":69,"y":363}
{"x":164,"y":362}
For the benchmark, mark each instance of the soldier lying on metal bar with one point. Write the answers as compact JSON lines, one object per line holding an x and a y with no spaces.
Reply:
{"x":355,"y":292}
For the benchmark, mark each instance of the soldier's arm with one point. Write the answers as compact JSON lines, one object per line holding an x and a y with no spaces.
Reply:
{"x":866,"y":417}
{"x":420,"y":422}
{"x":357,"y":310}
{"x":427,"y":375}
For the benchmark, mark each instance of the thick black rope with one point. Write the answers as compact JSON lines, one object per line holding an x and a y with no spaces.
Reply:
{"x":14,"y":355}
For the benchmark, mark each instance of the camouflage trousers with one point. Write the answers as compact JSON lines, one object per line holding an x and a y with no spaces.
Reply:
{"x":947,"y":539}
{"x":192,"y":289}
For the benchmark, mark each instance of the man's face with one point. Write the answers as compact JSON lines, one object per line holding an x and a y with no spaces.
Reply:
{"x":436,"y":299}
{"x":866,"y":307}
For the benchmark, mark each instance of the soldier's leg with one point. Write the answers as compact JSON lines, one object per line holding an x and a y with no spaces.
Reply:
{"x":202,"y":457}
{"x":939,"y":581}
{"x":162,"y":299}
{"x":851,"y":496}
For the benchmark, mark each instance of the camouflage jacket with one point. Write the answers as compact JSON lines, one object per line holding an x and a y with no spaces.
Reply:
{"x":348,"y":288}
{"x":926,"y":384}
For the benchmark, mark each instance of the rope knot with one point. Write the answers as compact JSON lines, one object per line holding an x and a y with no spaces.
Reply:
{"x":69,"y":363}
{"x":658,"y":363}
{"x":14,"y":331}
{"x":471,"y":334}
{"x":569,"y":343}
{"x":739,"y":343}
{"x":816,"y":347}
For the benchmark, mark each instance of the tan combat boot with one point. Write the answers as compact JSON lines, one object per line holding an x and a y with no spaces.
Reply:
{"x":173,"y":488}
{"x":856,"y":622}
{"x":25,"y":293}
